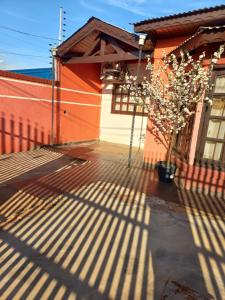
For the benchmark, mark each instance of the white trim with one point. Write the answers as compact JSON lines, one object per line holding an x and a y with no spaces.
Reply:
{"x":48,"y":86}
{"x":24,"y":81}
{"x":78,"y":91}
{"x":48,"y":100}
{"x":78,"y":103}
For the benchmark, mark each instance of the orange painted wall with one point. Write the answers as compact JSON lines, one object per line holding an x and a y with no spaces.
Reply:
{"x":25,"y":108}
{"x":79,"y":118}
{"x":155,"y":146}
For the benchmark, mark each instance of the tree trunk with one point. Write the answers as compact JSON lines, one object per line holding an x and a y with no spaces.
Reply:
{"x":169,"y":153}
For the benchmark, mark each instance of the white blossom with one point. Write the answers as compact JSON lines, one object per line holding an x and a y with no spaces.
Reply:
{"x":171,"y":103}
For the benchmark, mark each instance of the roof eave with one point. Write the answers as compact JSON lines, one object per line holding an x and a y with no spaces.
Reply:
{"x":202,"y":37}
{"x":97,"y":24}
{"x":205,"y":17}
{"x":180,"y":15}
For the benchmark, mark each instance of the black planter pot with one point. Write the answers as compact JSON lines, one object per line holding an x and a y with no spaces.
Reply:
{"x":166,"y":172}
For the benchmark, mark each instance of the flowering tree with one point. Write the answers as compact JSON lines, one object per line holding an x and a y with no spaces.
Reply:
{"x":172,"y":91}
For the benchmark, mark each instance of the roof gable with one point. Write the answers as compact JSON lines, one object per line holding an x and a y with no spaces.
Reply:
{"x":88,"y":33}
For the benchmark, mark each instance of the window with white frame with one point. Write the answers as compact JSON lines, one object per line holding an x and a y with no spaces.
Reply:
{"x":213,"y":138}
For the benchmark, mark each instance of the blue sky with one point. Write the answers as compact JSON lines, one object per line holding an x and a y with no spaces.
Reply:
{"x":41,"y":17}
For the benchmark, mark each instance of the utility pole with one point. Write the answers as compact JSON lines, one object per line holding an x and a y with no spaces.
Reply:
{"x":60,"y":24}
{"x":53,"y":51}
{"x":141,"y":43}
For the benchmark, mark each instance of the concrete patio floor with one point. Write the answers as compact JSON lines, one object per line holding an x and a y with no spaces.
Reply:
{"x":75,"y":223}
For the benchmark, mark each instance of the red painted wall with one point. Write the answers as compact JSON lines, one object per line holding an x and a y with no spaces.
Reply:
{"x":25,"y":108}
{"x":200,"y":178}
{"x":25,"y":121}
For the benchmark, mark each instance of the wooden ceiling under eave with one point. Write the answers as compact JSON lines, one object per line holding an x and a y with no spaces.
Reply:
{"x":204,"y":37}
{"x":85,"y":43}
{"x":98,"y":42}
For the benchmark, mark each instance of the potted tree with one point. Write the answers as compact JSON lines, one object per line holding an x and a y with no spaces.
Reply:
{"x":170,"y":93}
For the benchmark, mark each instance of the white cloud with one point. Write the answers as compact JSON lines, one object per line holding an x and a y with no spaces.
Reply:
{"x":91,"y":7}
{"x":133,"y":6}
{"x":4,"y":65}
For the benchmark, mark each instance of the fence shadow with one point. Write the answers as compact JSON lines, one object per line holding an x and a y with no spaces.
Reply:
{"x":96,"y":230}
{"x":21,"y":134}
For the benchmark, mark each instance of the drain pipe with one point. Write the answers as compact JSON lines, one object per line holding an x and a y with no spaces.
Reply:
{"x":141,"y":43}
{"x":53,"y":51}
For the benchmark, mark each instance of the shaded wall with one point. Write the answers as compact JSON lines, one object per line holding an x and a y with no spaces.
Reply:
{"x":205,"y":178}
{"x":116,"y":128}
{"x":156,"y":146}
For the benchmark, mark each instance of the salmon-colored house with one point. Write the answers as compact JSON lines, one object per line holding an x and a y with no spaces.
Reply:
{"x":89,"y":103}
{"x":200,"y":149}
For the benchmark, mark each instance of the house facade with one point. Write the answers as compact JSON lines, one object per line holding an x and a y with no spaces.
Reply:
{"x":194,"y":32}
{"x":113,"y":51}
{"x":200,"y":149}
{"x":90,"y":103}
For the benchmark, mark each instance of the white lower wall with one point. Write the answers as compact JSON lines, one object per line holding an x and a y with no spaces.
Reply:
{"x":116,"y":128}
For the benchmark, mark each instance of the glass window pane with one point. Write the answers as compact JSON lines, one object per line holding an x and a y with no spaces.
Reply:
{"x":209,"y":149}
{"x":117,"y":107}
{"x":213,"y":128}
{"x":130,"y":107}
{"x":117,"y":98}
{"x":220,"y":85}
{"x":139,"y":109}
{"x":217,"y":107}
{"x":218,"y":150}
{"x":118,"y":90}
{"x":124,"y":107}
{"x":221,"y":134}
{"x":125,"y":98}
